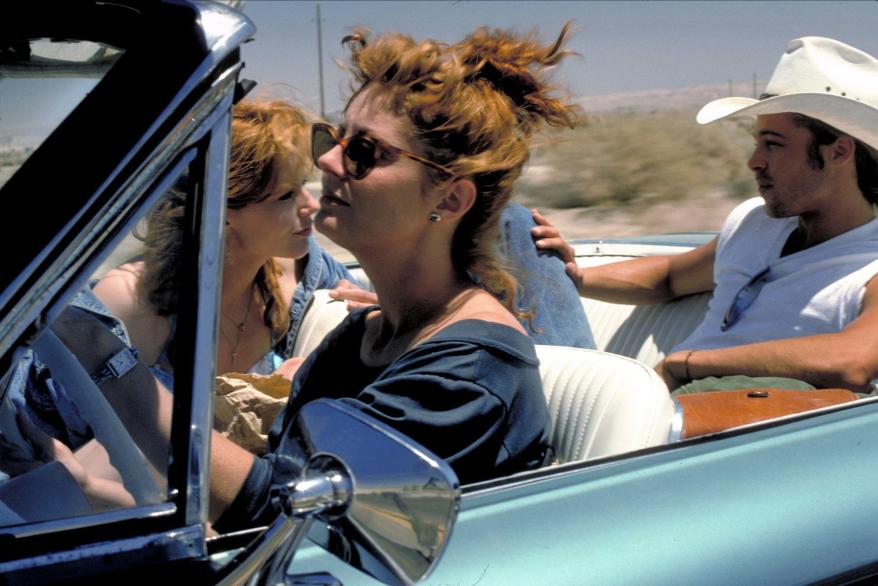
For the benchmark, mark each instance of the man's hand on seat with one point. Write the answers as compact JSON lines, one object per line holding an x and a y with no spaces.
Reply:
{"x":548,"y":238}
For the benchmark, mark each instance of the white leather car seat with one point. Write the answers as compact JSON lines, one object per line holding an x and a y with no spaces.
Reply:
{"x":321,"y":315}
{"x":644,"y":332}
{"x":602,"y":404}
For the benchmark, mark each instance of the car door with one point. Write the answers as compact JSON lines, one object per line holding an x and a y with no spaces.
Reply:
{"x":117,"y":105}
{"x":786,"y":502}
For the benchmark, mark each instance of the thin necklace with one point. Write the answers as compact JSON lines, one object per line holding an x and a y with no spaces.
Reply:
{"x":240,"y":327}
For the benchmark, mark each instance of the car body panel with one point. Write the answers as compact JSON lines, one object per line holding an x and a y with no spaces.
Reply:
{"x":785,"y":504}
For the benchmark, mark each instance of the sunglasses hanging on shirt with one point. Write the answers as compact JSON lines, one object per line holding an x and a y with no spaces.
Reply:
{"x":744,"y":299}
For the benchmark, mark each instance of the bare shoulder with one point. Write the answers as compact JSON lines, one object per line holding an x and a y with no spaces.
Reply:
{"x":483,"y":306}
{"x":118,"y":289}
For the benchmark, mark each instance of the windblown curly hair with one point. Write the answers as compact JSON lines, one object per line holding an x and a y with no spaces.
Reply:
{"x":474,"y":105}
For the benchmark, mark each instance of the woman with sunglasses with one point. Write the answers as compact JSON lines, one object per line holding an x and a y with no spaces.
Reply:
{"x":542,"y":283}
{"x":414,"y":184}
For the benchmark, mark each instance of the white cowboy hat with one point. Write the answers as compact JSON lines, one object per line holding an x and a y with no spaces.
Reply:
{"x":818,"y":77}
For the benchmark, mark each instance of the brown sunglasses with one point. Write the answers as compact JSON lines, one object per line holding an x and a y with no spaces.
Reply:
{"x":360,"y":153}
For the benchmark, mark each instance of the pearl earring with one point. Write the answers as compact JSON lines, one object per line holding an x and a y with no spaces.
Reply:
{"x":435,"y":217}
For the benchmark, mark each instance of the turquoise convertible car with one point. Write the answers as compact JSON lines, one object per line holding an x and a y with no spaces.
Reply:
{"x":114,"y":101}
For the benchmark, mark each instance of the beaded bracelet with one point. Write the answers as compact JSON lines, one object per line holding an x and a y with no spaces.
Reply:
{"x":686,"y":364}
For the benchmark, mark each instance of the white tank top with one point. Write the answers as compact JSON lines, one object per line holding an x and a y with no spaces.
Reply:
{"x":814,"y":291}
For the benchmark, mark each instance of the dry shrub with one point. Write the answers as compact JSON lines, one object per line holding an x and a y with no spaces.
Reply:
{"x":638,"y":158}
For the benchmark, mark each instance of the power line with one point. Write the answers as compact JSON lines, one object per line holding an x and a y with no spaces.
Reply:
{"x":320,"y":63}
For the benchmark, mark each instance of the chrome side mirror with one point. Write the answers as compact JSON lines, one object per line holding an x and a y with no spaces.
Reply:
{"x":386,"y":505}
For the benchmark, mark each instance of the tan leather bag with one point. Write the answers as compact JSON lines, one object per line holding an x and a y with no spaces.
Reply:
{"x":708,"y":412}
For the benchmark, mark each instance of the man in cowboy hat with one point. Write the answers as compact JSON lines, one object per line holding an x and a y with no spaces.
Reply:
{"x":791,"y":272}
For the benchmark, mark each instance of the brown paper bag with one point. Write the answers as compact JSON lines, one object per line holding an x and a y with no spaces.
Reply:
{"x":246,"y":405}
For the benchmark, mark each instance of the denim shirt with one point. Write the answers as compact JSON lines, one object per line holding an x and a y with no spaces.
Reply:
{"x":33,"y":390}
{"x":321,"y":272}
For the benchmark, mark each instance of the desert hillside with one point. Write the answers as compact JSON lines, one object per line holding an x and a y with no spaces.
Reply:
{"x":626,"y":173}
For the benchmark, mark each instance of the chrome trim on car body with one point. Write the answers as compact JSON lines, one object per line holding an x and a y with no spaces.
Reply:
{"x":685,"y":239}
{"x":676,"y":433}
{"x":280,"y":538}
{"x":209,"y":278}
{"x":224,"y":28}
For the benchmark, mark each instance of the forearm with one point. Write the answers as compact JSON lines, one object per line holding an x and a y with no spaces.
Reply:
{"x":639,"y":281}
{"x":821,"y":360}
{"x":229,"y":466}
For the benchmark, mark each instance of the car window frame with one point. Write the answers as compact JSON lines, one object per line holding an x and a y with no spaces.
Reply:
{"x":191,"y":132}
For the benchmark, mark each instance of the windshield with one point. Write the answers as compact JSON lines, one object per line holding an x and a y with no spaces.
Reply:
{"x":41,"y":82}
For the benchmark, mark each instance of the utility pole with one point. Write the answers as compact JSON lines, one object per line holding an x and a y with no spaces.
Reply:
{"x":320,"y":63}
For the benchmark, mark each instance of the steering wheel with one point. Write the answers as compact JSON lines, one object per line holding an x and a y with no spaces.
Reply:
{"x":108,"y":429}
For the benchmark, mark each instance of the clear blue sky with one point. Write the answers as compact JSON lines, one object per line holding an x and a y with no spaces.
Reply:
{"x":625,"y":46}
